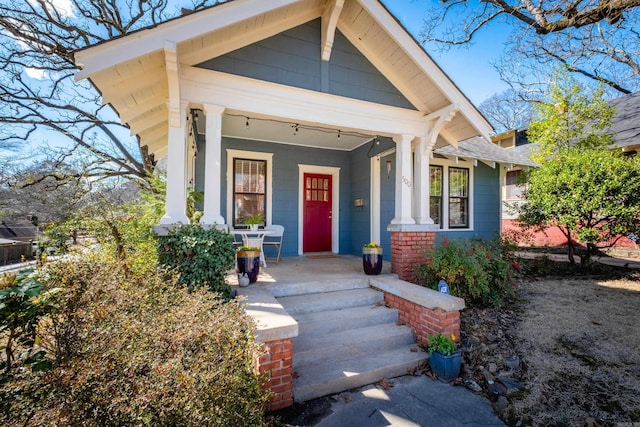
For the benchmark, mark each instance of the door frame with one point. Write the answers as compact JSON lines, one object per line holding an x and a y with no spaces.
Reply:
{"x":335,"y":203}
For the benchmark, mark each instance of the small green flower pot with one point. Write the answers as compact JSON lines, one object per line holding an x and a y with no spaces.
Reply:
{"x":447,"y":368}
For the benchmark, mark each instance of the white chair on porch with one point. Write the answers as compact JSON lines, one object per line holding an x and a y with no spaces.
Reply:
{"x":274,"y":238}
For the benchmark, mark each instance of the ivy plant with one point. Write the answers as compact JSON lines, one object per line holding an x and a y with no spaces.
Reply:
{"x":201,"y":257}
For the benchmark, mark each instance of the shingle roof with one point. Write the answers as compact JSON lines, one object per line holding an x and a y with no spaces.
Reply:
{"x":626,"y":121}
{"x":17,"y":230}
{"x":479,"y":148}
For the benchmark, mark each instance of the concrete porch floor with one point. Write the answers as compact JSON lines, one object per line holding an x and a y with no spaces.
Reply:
{"x":309,"y":268}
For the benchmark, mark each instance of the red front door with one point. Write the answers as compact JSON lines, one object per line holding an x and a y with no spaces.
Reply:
{"x":317,"y":213}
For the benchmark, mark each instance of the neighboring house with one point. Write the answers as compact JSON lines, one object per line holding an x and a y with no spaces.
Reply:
{"x":16,"y":241}
{"x":326,"y":116}
{"x":625,"y":128}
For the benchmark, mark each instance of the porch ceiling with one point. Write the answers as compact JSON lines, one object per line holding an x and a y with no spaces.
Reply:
{"x":136,"y":83}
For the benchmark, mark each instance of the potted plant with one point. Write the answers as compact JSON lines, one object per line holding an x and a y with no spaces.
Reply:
{"x":254,"y":220}
{"x":444,"y":357}
{"x":372,"y":258}
{"x":248,"y":258}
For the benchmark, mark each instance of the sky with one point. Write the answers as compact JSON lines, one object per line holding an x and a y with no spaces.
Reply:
{"x":470,"y":66}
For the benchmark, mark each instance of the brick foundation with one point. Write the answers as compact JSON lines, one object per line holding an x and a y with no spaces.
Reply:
{"x":408,"y":250}
{"x":278,"y":364}
{"x":424,"y":321}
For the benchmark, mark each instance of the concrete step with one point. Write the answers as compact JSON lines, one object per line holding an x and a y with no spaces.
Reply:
{"x":313,"y":287}
{"x":329,"y":301}
{"x":313,"y":381}
{"x":324,"y":322}
{"x":316,"y":349}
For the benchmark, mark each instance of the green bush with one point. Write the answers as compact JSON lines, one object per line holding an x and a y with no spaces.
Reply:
{"x":137,"y":349}
{"x":479,"y":271}
{"x":201,"y":257}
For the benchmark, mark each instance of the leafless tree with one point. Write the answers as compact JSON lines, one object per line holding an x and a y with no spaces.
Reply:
{"x":507,"y":110}
{"x":598,"y":40}
{"x":39,"y":99}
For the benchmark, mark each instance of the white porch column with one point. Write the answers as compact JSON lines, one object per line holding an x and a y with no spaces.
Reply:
{"x":213,"y":169}
{"x":404,"y":180}
{"x":421,"y":185}
{"x":176,"y":200}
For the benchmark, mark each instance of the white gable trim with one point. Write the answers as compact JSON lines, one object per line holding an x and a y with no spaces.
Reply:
{"x":411,"y":48}
{"x":177,"y":30}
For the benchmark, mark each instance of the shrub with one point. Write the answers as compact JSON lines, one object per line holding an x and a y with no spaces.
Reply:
{"x":481,"y":272}
{"x":201,"y":257}
{"x":137,"y":350}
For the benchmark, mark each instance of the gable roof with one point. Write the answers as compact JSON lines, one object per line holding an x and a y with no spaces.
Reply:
{"x":131,"y":71}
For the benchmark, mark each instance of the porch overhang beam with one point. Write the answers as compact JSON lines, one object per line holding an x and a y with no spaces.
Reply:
{"x":329,"y":25}
{"x":297,"y":105}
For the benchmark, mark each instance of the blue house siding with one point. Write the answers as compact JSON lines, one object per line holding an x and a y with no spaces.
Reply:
{"x":293,"y":58}
{"x":285,"y":184}
{"x":486,"y":206}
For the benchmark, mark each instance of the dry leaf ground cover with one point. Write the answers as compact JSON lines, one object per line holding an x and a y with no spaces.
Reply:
{"x":578,"y":344}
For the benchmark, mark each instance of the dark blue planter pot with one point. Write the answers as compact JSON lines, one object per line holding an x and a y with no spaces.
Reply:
{"x":447,"y":368}
{"x":249,"y":262}
{"x":372,"y":261}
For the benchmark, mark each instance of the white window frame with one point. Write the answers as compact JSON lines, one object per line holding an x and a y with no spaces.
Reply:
{"x":460,"y":164}
{"x":250,"y":155}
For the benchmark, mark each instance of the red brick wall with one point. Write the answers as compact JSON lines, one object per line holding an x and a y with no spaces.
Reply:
{"x":278,"y":364}
{"x":408,"y":249}
{"x":424,"y":321}
{"x":551,"y":236}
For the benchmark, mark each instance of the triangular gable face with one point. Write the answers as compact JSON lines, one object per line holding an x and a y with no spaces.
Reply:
{"x":292,"y":58}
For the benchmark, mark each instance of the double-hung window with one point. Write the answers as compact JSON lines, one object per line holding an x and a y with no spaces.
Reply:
{"x":249,"y":189}
{"x":435,"y":194}
{"x":449,"y":196}
{"x":458,"y":198}
{"x":513,"y":186}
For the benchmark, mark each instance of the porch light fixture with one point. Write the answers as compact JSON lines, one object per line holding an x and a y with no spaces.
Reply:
{"x":388,"y":169}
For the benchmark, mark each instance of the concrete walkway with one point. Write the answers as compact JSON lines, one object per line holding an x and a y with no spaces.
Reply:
{"x":410,"y":401}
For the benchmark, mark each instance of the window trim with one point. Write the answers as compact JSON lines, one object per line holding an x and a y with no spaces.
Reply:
{"x":460,"y":164}
{"x":235,"y":193}
{"x":467,"y":198}
{"x":506,"y":185}
{"x":232,"y":154}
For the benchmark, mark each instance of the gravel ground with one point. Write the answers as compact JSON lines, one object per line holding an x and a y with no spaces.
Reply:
{"x":566,"y":352}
